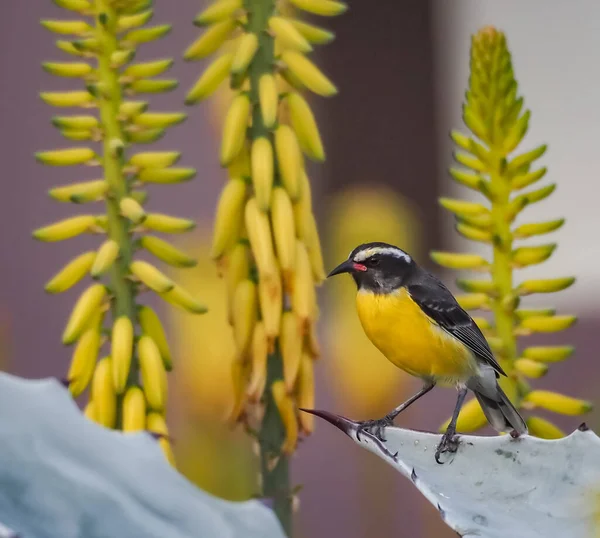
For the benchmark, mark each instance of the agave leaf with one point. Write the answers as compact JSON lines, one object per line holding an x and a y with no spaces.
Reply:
{"x":84,"y":480}
{"x":494,"y":487}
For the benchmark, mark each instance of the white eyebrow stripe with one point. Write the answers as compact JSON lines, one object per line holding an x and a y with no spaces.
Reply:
{"x":391,"y":251}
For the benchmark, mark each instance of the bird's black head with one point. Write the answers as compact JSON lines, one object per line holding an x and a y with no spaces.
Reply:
{"x":377,"y":267}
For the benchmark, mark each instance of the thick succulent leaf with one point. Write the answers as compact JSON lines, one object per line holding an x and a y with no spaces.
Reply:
{"x":64,"y":476}
{"x":495,"y":487}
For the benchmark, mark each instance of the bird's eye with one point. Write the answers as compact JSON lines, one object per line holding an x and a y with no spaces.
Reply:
{"x":374,"y":261}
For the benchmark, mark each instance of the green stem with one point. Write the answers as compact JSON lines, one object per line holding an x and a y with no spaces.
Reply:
{"x":274,"y":465}
{"x":259,"y":12}
{"x":109,"y":99}
{"x":502,"y":305}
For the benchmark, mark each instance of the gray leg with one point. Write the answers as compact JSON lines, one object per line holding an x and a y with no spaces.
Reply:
{"x":377,"y":427}
{"x":426,"y":388}
{"x":448,"y":442}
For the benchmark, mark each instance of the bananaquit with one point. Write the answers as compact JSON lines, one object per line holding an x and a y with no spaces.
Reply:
{"x":414,"y":320}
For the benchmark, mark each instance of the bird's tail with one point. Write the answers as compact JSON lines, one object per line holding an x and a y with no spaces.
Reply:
{"x":501,"y":413}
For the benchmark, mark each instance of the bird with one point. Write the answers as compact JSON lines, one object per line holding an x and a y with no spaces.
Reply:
{"x":418,"y":325}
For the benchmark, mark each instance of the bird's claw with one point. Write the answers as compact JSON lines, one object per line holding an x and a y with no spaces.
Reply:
{"x":376,"y":428}
{"x":449,"y":443}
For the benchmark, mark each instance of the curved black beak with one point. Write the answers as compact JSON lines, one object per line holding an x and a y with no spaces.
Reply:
{"x":345,"y":267}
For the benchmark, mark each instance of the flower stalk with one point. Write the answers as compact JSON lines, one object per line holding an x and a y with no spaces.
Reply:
{"x":493,"y":113}
{"x":128,"y":387}
{"x":109,"y":99}
{"x":265,"y":241}
{"x":274,"y":464}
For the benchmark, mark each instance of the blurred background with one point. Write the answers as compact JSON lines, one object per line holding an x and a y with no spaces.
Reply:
{"x":402,"y":69}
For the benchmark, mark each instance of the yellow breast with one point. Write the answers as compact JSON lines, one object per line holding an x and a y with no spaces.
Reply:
{"x":411,"y":340}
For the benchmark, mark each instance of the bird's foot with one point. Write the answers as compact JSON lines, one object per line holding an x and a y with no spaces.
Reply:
{"x":449,"y":443}
{"x":374,"y":427}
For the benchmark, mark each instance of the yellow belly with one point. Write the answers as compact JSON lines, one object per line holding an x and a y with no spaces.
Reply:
{"x":410,"y":340}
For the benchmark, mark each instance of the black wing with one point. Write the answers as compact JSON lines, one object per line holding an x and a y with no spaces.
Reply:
{"x":441,"y":306}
